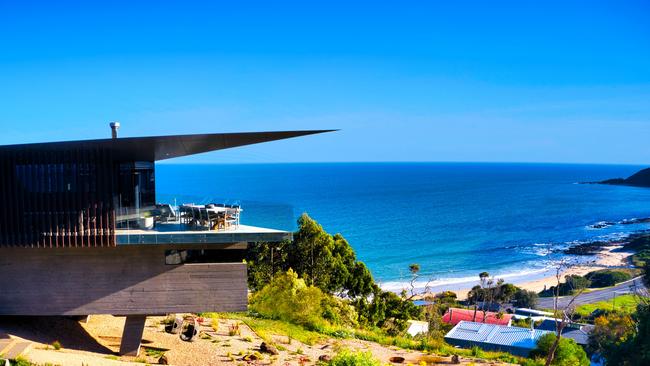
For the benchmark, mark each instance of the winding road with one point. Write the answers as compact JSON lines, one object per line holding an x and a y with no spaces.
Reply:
{"x":606,"y":294}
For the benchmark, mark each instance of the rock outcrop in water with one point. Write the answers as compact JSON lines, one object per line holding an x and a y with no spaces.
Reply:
{"x":638,"y":179}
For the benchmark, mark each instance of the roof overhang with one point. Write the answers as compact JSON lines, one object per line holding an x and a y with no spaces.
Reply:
{"x":157,"y":148}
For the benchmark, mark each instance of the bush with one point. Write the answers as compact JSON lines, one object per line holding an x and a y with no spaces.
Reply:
{"x":571,"y":283}
{"x":623,"y":340}
{"x":567,"y":353}
{"x":525,"y":298}
{"x":339,"y":312}
{"x":387,"y":310}
{"x":348,"y":358}
{"x":610,"y":332}
{"x":446,"y":297}
{"x":606,"y":277}
{"x":288,"y":298}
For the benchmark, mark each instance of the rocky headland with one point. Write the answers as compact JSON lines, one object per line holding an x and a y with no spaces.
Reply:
{"x":638,"y":179}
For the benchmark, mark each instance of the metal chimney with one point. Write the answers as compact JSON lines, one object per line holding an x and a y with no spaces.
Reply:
{"x":114,"y":127}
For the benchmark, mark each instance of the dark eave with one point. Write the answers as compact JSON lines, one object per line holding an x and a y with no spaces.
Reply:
{"x":163,"y":147}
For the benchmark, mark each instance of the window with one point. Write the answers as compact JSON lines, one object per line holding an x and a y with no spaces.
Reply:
{"x":190,"y":256}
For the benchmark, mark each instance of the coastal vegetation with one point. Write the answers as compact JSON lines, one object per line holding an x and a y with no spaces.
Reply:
{"x":348,"y":358}
{"x":325,"y":267}
{"x":607,"y":277}
{"x":595,"y":279}
{"x":567,"y":352}
{"x":314,"y":287}
{"x":623,"y":339}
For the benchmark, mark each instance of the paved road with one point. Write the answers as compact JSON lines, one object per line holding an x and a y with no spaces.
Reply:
{"x":595,"y":296}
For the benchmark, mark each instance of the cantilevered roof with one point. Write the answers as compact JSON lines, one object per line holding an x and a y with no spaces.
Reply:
{"x":164,"y":147}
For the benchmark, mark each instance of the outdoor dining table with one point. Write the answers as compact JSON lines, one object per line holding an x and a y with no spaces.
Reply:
{"x":215,"y":210}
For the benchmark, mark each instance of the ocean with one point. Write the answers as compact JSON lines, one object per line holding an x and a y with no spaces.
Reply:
{"x":453,"y":219}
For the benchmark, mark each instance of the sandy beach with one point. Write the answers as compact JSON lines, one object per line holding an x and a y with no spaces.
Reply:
{"x":609,"y":257}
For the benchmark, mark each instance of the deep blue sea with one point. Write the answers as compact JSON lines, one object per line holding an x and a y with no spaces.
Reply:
{"x":454,"y":219}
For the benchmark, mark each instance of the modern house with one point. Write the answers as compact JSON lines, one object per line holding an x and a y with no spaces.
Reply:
{"x":491,"y":337}
{"x":454,"y":316}
{"x":81,"y":232}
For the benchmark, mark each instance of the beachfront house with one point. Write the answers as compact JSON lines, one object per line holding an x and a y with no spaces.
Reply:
{"x":454,"y":316}
{"x":82,"y":232}
{"x":576,"y":331}
{"x":492,"y":337}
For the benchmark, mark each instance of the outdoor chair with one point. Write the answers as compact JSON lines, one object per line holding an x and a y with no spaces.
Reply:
{"x":167,"y":212}
{"x":232,"y":216}
{"x":175,"y":326}
{"x":204,"y":217}
{"x":189,"y":330}
{"x":186,"y":213}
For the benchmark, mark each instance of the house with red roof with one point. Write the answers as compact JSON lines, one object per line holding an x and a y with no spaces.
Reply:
{"x":454,"y":316}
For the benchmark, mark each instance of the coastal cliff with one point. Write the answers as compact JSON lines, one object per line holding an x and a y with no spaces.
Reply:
{"x":638,"y":179}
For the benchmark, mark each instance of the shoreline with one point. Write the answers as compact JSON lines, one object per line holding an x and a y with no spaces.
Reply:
{"x":611,"y":256}
{"x":608,"y":256}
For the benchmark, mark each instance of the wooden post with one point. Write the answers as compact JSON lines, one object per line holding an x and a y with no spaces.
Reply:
{"x":132,"y":335}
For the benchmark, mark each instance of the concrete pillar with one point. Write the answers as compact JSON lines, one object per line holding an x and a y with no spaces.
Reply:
{"x":132,"y":335}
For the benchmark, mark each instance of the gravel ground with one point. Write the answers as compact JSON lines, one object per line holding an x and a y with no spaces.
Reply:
{"x":97,"y":343}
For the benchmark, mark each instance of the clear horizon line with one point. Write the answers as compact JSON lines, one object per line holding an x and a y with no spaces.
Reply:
{"x":167,"y":162}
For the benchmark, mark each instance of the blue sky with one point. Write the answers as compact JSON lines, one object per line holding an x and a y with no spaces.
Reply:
{"x":405,"y":81}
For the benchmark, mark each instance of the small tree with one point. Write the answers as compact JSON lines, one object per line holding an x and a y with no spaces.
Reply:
{"x":611,"y":331}
{"x":479,"y":292}
{"x":566,"y":351}
{"x":414,"y":268}
{"x":565,"y":314}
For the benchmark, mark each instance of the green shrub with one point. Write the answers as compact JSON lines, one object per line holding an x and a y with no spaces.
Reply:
{"x":21,"y":362}
{"x":567,"y":353}
{"x":348,"y":358}
{"x":339,"y":312}
{"x":525,"y":298}
{"x":571,"y":283}
{"x":234,"y":330}
{"x":477,"y":352}
{"x":533,"y":362}
{"x":606,"y":278}
{"x":56,"y":345}
{"x":288,"y":298}
{"x":446,"y":297}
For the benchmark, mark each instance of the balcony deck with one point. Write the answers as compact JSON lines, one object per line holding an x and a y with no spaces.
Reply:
{"x":175,"y":233}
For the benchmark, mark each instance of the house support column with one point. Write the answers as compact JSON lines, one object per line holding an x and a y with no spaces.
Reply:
{"x":132,"y":335}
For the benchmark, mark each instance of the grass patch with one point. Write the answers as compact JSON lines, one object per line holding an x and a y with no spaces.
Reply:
{"x":625,"y":304}
{"x":154,"y":352}
{"x":266,"y":328}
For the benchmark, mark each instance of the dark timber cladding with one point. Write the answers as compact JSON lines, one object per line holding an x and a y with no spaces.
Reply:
{"x":57,"y":198}
{"x":65,"y":194}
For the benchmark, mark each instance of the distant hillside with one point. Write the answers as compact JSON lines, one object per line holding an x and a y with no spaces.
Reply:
{"x":638,"y":179}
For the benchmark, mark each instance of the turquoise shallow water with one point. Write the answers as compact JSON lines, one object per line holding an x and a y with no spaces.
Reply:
{"x":454,"y":219}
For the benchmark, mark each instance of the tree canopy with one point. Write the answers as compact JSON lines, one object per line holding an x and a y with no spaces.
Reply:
{"x":322,"y":260}
{"x":568,"y":352}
